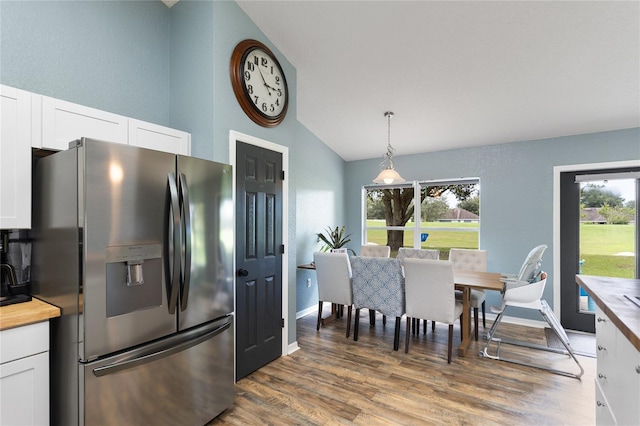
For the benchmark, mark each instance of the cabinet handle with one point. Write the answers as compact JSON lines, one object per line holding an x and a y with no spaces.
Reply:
{"x":601,"y":404}
{"x":601,"y":376}
{"x":601,"y":348}
{"x":601,"y":319}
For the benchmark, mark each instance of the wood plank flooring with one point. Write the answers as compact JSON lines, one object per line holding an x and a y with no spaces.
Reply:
{"x":332,"y":380}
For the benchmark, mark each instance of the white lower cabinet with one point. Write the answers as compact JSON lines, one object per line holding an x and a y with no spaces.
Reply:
{"x":24,"y":375}
{"x":617,"y":376}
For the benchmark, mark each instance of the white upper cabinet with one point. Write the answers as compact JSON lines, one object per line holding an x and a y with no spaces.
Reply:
{"x":15,"y":158}
{"x":160,"y":138}
{"x":63,"y":122}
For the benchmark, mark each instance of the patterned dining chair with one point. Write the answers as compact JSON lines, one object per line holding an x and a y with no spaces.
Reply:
{"x":404,"y":253}
{"x":333,"y":272}
{"x":373,"y":250}
{"x":471,"y":260}
{"x":429,"y":287}
{"x":378,"y":284}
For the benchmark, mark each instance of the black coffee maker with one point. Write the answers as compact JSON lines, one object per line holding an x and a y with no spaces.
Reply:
{"x":15,"y":267}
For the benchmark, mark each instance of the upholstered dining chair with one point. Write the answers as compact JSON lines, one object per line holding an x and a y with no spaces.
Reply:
{"x":471,"y":260}
{"x":333,"y":272}
{"x":404,"y":253}
{"x":378,"y":284}
{"x":373,"y":250}
{"x":411,"y":253}
{"x":430,"y":295}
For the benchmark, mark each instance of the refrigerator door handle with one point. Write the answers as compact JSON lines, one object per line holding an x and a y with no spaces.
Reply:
{"x":139,"y":357}
{"x":186,"y":223}
{"x":172,"y":242}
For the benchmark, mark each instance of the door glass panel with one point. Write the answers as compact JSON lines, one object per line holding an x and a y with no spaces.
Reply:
{"x":607,"y":231}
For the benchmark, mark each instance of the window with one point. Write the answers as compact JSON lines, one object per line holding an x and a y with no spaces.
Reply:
{"x":423,"y":214}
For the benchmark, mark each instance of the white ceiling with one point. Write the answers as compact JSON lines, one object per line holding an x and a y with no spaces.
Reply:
{"x":456,"y":74}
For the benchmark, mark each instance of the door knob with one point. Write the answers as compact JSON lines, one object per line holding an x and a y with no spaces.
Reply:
{"x":243,"y":272}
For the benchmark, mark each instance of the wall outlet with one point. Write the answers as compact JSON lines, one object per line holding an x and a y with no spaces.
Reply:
{"x":308,"y":282}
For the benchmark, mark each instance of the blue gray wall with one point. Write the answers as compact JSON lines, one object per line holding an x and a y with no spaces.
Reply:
{"x":109,"y":55}
{"x":516,"y":189}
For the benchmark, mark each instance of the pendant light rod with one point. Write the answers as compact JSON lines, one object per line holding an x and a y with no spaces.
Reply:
{"x":388,"y":175}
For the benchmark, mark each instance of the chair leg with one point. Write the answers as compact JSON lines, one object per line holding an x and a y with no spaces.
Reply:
{"x":356,"y":323}
{"x":348,"y":320}
{"x":396,"y":335}
{"x":384,"y":320}
{"x":433,"y":326}
{"x":450,"y":343}
{"x":475,"y":322}
{"x":484,"y":320}
{"x":406,"y":340}
{"x":372,"y":318}
{"x":424,"y":326}
{"x":413,"y":326}
{"x":319,"y":315}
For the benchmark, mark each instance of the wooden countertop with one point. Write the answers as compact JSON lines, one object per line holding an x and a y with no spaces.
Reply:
{"x":26,"y":313}
{"x":609,"y":294}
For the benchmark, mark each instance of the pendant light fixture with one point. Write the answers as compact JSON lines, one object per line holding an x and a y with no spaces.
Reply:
{"x":388,"y":175}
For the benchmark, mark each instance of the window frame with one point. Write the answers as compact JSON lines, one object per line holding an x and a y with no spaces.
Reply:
{"x":417,"y":211}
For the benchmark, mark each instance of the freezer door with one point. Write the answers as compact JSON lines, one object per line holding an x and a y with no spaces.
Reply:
{"x":183,"y":380}
{"x":122,"y":192}
{"x":207,"y":233}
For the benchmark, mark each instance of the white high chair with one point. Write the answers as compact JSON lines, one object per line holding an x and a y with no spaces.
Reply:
{"x":525,"y":291}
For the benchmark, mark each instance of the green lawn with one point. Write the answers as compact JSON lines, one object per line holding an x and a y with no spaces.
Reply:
{"x":598,"y":246}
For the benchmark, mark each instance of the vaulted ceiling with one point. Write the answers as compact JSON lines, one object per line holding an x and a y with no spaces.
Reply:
{"x":456,"y":74}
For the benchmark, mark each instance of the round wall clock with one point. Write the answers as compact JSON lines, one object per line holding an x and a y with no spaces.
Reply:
{"x":259,"y":83}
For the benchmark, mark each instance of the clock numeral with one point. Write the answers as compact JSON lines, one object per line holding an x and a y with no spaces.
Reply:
{"x":255,"y":99}
{"x":277,"y":80}
{"x":278,"y":102}
{"x":250,"y":89}
{"x":251,"y":66}
{"x":247,"y":75}
{"x":264,"y":106}
{"x":273,"y":108}
{"x":264,"y":62}
{"x":256,"y":60}
{"x":279,"y":92}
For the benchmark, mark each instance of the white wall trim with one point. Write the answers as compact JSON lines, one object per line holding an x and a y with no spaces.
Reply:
{"x":556,"y":215}
{"x":234,"y":138}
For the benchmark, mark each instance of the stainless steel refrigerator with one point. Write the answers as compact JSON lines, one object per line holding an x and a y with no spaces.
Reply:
{"x":136,"y":247}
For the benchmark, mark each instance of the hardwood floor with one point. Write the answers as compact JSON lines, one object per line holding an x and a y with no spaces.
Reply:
{"x":333,"y":380}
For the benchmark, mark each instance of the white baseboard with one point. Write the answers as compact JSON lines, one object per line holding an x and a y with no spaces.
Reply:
{"x":305,"y":312}
{"x":292,"y":347}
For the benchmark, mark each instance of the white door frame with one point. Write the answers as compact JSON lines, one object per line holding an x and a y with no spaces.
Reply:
{"x":234,"y":138}
{"x":556,"y":215}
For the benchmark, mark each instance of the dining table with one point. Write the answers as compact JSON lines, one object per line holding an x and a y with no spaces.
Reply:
{"x":464,"y":281}
{"x":467,"y":281}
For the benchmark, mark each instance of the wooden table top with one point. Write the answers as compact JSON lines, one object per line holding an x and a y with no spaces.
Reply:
{"x":610,"y":296}
{"x":478,"y":280}
{"x":26,"y":313}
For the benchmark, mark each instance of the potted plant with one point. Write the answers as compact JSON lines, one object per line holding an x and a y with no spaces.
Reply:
{"x":334,"y":239}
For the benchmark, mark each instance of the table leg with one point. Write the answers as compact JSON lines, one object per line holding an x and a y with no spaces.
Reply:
{"x":334,"y":314}
{"x":466,"y":321}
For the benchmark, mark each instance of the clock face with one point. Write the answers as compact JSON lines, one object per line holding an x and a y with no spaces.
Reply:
{"x":264,"y":83}
{"x":259,"y":83}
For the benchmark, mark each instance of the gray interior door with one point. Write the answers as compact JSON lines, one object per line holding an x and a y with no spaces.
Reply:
{"x":258,"y":257}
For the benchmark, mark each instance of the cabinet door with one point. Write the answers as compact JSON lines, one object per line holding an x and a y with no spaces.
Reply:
{"x":15,"y":158}
{"x":24,"y":391}
{"x":160,"y":138}
{"x":63,"y":122}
